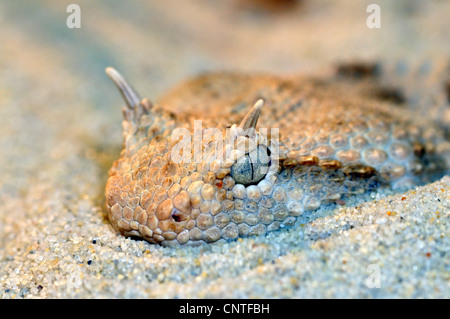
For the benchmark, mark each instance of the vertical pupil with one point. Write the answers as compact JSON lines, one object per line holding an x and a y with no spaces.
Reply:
{"x":253,"y":167}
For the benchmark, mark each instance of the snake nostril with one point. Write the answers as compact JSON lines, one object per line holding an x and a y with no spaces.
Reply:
{"x":177,"y":216}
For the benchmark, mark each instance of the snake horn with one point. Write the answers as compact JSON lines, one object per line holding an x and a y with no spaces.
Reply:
{"x":251,"y":118}
{"x":128,"y":93}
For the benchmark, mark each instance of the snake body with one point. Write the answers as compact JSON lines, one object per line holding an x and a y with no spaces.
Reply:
{"x":337,"y":136}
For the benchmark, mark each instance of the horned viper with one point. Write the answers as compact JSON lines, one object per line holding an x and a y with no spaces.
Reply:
{"x":324,"y":139}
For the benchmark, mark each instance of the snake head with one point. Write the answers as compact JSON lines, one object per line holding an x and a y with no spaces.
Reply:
{"x":177,"y":182}
{"x":180,"y":180}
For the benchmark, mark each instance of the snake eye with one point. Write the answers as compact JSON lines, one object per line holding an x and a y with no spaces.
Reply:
{"x":252,"y":167}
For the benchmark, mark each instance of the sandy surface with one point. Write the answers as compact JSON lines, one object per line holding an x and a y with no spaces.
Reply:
{"x":60,"y":130}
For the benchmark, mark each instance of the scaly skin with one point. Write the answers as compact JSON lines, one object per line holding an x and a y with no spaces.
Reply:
{"x":337,"y":137}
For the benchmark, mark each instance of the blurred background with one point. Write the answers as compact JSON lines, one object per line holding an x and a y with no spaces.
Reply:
{"x":158,"y":43}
